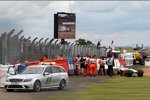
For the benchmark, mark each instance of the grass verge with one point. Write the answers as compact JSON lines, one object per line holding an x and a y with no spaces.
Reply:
{"x":116,"y":88}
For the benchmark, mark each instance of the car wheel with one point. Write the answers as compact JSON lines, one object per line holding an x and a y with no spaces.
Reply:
{"x":37,"y":86}
{"x":140,"y":73}
{"x":129,"y":73}
{"x":10,"y":90}
{"x":62,"y":85}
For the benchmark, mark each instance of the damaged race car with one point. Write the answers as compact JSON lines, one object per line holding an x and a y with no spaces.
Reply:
{"x":129,"y":72}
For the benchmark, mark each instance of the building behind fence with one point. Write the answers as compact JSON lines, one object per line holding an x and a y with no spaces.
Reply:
{"x":16,"y":47}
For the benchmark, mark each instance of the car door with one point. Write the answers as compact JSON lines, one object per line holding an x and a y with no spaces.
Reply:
{"x":55,"y":76}
{"x":46,"y":81}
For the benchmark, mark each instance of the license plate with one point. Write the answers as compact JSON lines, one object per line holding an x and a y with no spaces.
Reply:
{"x":14,"y":83}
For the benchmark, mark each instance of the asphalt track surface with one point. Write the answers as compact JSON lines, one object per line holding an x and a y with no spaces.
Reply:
{"x":76,"y":83}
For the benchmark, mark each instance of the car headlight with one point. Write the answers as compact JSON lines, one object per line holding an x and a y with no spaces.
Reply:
{"x":27,"y":80}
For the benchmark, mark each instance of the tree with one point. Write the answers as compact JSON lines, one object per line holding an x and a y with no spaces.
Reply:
{"x":64,"y":42}
{"x":83,"y":42}
{"x":89,"y":42}
{"x":80,"y":42}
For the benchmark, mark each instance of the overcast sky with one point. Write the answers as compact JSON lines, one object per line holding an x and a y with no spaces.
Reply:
{"x":125,"y":22}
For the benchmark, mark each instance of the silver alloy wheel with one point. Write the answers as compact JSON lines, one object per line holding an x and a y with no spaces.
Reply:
{"x":37,"y":86}
{"x":62,"y":84}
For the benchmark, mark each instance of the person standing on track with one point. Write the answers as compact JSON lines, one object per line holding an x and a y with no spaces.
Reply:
{"x":76,"y":63}
{"x":102,"y":63}
{"x":110,"y":63}
{"x":93,"y":66}
{"x":85,"y":66}
{"x":82,"y":64}
{"x":88,"y":64}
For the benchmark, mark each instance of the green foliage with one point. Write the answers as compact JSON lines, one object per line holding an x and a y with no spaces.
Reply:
{"x":83,"y":42}
{"x":89,"y":42}
{"x":64,"y":42}
{"x":115,"y":88}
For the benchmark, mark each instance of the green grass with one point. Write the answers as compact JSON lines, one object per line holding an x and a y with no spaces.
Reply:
{"x":116,"y":88}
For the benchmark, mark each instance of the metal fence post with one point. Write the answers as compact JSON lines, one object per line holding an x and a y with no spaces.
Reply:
{"x":50,"y":49}
{"x":9,"y":44}
{"x":4,"y":48}
{"x":1,"y":48}
{"x":41,"y":49}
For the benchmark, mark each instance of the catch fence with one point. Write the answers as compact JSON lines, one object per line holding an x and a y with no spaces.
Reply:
{"x":14,"y":47}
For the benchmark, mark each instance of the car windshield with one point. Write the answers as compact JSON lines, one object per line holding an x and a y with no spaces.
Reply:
{"x":33,"y":70}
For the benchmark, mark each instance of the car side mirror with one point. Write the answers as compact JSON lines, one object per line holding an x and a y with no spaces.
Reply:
{"x":46,"y":73}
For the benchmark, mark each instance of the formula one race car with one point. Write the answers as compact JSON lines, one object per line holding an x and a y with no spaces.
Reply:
{"x":129,"y":72}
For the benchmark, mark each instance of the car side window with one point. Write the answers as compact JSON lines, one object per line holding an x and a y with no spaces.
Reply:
{"x":60,"y":69}
{"x":48,"y":69}
{"x":54,"y":69}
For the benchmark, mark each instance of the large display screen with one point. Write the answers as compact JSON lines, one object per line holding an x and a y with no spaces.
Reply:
{"x":64,"y":25}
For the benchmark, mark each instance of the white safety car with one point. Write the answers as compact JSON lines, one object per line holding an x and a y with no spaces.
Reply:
{"x":37,"y":77}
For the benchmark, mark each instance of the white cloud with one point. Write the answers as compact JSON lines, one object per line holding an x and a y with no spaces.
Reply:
{"x":32,"y":16}
{"x":95,"y":6}
{"x":135,"y":6}
{"x":126,"y":38}
{"x":124,"y":21}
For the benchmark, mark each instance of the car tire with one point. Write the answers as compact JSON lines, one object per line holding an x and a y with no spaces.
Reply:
{"x":129,"y":73}
{"x":37,"y":86}
{"x":9,"y":90}
{"x":140,"y":73}
{"x":62,"y":85}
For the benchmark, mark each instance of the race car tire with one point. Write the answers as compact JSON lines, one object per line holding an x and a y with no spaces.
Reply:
{"x":37,"y":86}
{"x":140,"y":73}
{"x":62,"y":85}
{"x":10,"y":90}
{"x":129,"y":73}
